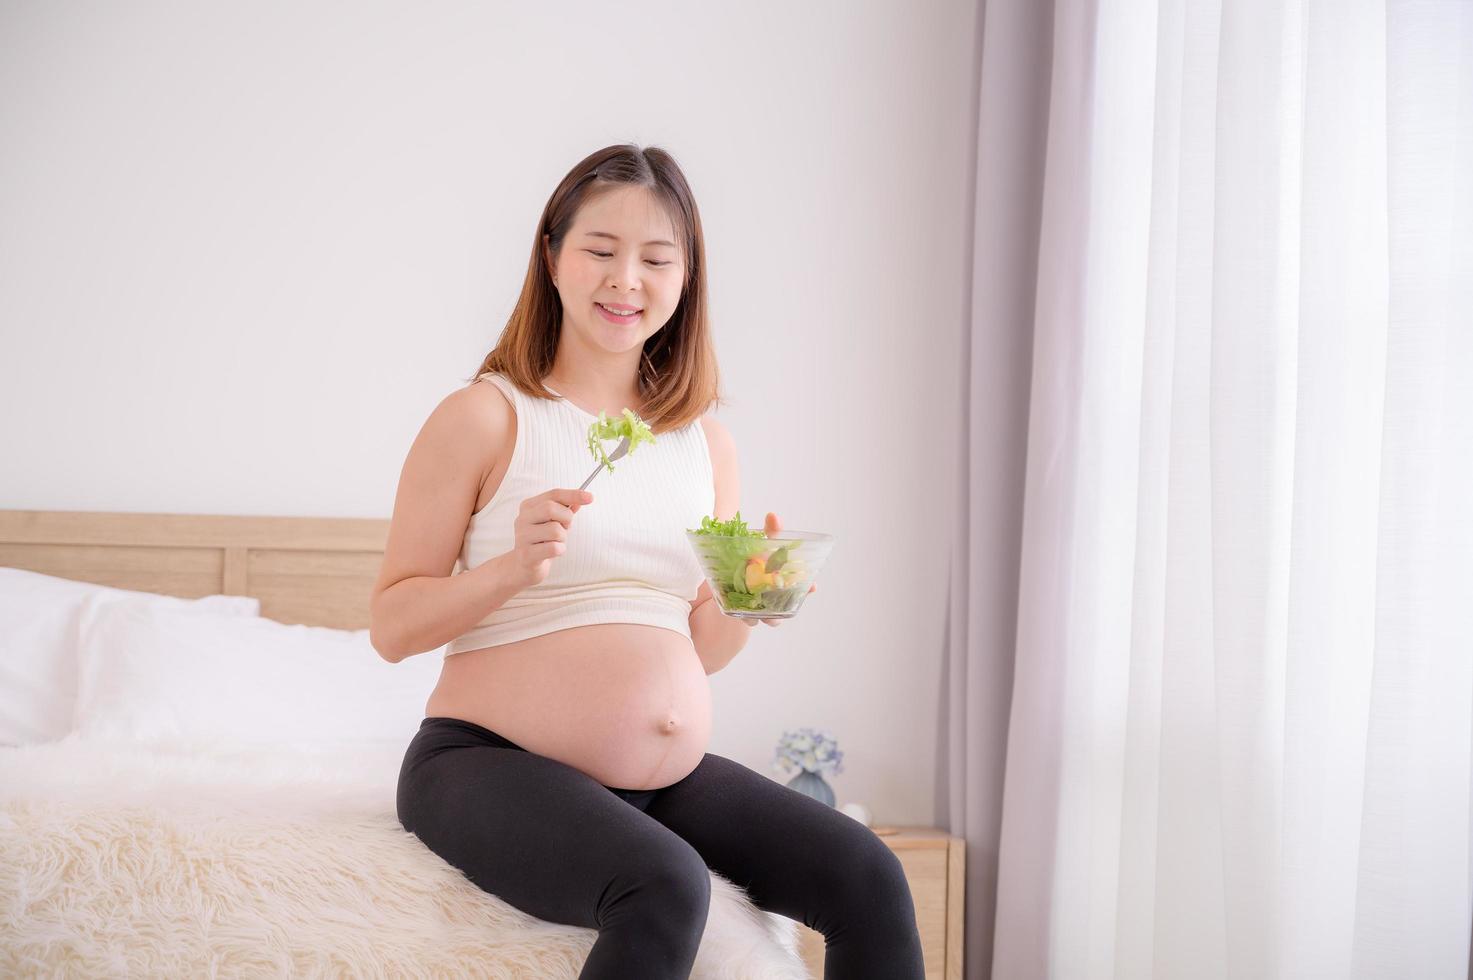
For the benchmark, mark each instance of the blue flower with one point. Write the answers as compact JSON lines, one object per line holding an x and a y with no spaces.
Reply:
{"x":808,"y":750}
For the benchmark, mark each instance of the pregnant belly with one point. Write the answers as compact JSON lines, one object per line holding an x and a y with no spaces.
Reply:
{"x":627,"y":704}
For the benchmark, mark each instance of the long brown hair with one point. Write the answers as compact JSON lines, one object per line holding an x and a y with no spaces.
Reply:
{"x":678,"y":377}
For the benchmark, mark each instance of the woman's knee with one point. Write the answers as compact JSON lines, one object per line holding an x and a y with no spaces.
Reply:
{"x":671,"y":876}
{"x":872,"y":875}
{"x":665,"y":899}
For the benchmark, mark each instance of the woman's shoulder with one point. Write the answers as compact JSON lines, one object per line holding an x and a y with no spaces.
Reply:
{"x":719,"y":443}
{"x":488,"y":388}
{"x":714,"y":428}
{"x":482,"y":413}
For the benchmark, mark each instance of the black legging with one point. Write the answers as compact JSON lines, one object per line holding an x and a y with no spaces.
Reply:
{"x":559,"y":845}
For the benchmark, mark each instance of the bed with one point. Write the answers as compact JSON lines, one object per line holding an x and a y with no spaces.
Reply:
{"x":198,"y":755}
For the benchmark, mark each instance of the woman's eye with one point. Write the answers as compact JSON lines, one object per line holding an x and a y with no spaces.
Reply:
{"x":604,"y":255}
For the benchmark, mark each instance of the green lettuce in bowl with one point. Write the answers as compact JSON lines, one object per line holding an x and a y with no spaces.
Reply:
{"x":753,"y":576}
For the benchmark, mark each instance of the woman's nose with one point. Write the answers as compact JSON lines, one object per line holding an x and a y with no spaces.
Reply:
{"x":625,"y":274}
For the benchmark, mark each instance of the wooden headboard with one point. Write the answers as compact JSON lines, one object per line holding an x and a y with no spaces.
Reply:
{"x":318,"y":571}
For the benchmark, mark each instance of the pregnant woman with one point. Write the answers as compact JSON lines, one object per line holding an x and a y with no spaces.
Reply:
{"x":561,"y":764}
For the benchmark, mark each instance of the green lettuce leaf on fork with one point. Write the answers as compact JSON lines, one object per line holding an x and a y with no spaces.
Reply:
{"x":628,"y":424}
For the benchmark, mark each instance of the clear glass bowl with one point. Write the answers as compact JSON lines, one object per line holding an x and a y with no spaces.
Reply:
{"x":761,"y":577}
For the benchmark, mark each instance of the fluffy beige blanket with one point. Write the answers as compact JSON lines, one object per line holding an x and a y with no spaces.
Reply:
{"x":189,"y":860}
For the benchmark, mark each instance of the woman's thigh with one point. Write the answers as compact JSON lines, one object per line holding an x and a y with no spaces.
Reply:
{"x":537,"y":833}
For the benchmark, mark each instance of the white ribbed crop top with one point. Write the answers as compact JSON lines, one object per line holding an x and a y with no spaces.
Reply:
{"x":627,"y":560}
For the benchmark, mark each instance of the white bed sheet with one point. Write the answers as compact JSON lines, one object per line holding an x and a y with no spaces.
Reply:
{"x":179,"y":858}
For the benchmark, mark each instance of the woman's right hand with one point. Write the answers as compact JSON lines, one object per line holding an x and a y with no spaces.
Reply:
{"x":541,"y":530}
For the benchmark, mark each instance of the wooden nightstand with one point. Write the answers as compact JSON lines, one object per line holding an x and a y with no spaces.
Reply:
{"x":934,"y":863}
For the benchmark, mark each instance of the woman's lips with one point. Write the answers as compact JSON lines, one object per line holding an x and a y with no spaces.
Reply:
{"x":617,"y":319}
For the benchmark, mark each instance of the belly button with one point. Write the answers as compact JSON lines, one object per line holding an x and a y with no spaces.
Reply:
{"x":669,"y":724}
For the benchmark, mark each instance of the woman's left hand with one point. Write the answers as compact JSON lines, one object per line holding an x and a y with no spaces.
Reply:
{"x":773,"y":527}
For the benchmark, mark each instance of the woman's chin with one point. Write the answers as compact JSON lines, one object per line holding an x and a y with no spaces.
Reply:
{"x":613,"y":338}
{"x":617,"y":339}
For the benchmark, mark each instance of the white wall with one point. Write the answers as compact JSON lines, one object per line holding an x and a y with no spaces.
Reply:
{"x":245,"y":250}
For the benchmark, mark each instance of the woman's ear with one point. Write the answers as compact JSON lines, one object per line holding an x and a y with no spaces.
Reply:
{"x":547,"y":258}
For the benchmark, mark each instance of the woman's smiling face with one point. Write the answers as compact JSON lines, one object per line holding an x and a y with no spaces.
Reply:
{"x":623,"y":253}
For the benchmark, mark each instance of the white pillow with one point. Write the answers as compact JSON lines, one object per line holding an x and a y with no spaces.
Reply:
{"x":38,"y":647}
{"x":151,"y":673}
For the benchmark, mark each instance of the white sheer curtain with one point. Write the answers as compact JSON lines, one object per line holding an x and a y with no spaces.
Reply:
{"x":1241,"y":733}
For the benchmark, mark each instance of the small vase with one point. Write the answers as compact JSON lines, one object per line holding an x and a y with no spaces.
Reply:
{"x":812,"y":784}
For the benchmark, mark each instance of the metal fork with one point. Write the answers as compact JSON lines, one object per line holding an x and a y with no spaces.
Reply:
{"x":618,"y":453}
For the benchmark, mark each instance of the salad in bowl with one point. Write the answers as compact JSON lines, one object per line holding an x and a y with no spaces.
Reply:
{"x":752,"y":575}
